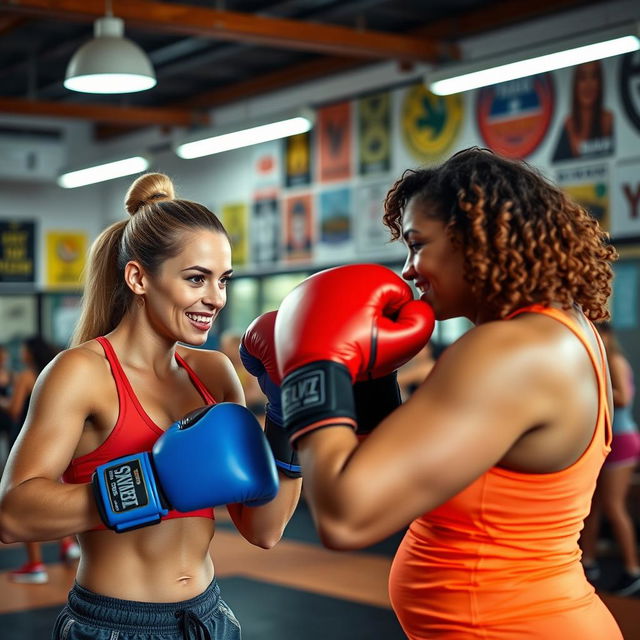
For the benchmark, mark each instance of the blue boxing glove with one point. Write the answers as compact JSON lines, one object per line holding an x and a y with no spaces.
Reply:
{"x":214,"y":456}
{"x":257,"y":352}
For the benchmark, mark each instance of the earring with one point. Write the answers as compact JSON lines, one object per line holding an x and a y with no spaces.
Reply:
{"x":140,"y":301}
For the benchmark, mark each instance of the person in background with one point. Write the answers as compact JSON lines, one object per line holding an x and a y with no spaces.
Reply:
{"x":7,"y":427}
{"x":412,"y":374}
{"x":255,"y":399}
{"x":614,"y":481}
{"x":6,"y":375}
{"x":36,"y":353}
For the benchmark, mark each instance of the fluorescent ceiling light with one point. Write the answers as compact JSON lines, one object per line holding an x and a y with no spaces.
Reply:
{"x":486,"y":72}
{"x":110,"y":63}
{"x":245,"y":137}
{"x":102,"y":172}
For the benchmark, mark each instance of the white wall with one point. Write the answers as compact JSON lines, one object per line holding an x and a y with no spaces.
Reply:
{"x":53,"y":209}
{"x":230,"y":177}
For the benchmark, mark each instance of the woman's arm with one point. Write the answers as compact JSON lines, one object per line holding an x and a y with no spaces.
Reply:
{"x":488,"y":389}
{"x":262,"y":526}
{"x":34,"y":504}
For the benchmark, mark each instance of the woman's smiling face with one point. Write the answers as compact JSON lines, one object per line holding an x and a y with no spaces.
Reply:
{"x":189,"y":290}
{"x":435,"y":263}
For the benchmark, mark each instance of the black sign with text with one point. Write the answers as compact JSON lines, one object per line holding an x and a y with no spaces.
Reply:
{"x":17,"y":251}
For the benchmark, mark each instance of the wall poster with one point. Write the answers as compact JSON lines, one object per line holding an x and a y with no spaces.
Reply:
{"x":17,"y":251}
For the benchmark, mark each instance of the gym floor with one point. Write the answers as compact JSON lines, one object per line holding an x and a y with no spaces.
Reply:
{"x":296,"y":590}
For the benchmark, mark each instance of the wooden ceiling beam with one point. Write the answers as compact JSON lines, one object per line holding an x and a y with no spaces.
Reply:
{"x":280,"y":33}
{"x":494,"y":16}
{"x":10,"y":22}
{"x":107,"y":114}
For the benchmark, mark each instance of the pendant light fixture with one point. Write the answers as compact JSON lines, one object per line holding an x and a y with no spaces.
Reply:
{"x":109,"y":63}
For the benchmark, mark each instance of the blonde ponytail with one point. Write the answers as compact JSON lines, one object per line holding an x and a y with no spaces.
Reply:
{"x":105,"y":293}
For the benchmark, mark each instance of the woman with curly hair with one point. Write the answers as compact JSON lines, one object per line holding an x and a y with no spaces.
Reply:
{"x":493,"y":460}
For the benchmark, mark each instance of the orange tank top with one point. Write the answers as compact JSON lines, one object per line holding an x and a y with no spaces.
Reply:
{"x":500,"y":560}
{"x":133,"y":432}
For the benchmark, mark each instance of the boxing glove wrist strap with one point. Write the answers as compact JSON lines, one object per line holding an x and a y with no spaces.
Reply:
{"x":126,"y":493}
{"x":285,"y":455}
{"x":317,"y":395}
{"x":375,"y":400}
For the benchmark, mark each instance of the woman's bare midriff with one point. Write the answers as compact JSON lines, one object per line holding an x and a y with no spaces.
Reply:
{"x":168,"y":562}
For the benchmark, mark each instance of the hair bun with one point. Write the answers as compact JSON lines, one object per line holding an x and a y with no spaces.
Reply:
{"x":148,"y":188}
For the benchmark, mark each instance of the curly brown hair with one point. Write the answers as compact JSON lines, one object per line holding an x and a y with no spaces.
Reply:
{"x":524,"y":240}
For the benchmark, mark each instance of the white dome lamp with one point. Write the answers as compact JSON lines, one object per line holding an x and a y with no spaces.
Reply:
{"x":110,"y":63}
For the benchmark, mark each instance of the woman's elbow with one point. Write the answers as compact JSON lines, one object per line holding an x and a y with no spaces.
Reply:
{"x":264,"y":540}
{"x":9,"y":532}
{"x":263,"y":535}
{"x":7,"y":538}
{"x":342,"y":535}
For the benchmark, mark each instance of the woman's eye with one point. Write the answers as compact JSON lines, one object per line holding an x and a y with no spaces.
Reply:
{"x":196,"y":279}
{"x":225,"y":281}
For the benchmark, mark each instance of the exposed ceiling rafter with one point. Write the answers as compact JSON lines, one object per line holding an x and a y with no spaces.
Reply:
{"x":498,"y":15}
{"x":280,"y":33}
{"x":106,"y":114}
{"x":248,"y":29}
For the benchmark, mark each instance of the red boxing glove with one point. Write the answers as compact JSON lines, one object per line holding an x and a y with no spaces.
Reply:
{"x":340,"y":325}
{"x":258,"y":354}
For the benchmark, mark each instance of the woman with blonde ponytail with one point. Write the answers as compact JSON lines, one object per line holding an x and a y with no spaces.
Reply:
{"x":155,"y":282}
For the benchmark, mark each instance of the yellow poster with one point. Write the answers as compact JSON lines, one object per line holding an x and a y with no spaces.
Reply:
{"x":589,"y":187}
{"x":66,"y":257}
{"x":235,"y":218}
{"x":594,"y":197}
{"x":430,"y":123}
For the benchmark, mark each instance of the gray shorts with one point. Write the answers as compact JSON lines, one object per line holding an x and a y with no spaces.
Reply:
{"x":89,"y":615}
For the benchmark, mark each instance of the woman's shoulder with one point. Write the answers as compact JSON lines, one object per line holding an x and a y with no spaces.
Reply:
{"x":76,"y":377}
{"x":529,"y":341}
{"x":201,"y":357}
{"x":84,"y":360}
{"x":212,"y":367}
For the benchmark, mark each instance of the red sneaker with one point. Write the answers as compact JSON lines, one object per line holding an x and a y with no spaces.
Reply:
{"x":31,"y":572}
{"x":69,"y":550}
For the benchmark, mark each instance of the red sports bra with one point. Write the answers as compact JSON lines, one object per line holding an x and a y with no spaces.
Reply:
{"x":133,"y":432}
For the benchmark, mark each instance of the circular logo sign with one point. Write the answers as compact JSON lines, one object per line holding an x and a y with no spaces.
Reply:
{"x":513,"y":117}
{"x":430,"y":123}
{"x":630,"y":86}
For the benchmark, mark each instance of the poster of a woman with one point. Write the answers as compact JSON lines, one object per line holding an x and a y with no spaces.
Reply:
{"x":587,"y":131}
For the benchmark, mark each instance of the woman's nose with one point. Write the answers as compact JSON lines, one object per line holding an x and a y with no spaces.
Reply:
{"x":215,"y":297}
{"x":408,"y":272}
